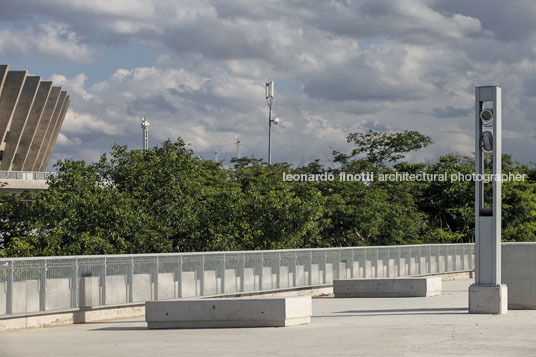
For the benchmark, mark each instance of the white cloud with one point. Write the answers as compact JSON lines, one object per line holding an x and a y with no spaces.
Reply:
{"x":83,"y":123}
{"x":51,"y":39}
{"x":339,"y":66}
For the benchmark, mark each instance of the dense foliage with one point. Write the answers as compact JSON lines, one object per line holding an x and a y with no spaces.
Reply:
{"x":167,"y":200}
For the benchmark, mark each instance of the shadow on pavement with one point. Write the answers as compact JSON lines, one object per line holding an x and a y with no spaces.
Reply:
{"x":421,"y":311}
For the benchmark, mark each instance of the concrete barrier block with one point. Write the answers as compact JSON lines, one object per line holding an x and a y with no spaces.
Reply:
{"x":142,"y":288}
{"x":233,"y":312}
{"x":188,"y":284}
{"x":231,"y":282}
{"x":116,"y":289}
{"x":58,"y":294}
{"x":519,"y":274}
{"x":488,"y":299}
{"x":397,"y":287}
{"x":166,"y":286}
{"x":89,"y":291}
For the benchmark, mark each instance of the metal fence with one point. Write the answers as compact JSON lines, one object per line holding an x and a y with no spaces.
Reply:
{"x":29,"y":285}
{"x":25,"y":175}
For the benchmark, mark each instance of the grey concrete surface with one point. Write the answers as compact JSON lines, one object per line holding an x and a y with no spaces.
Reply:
{"x":9,"y":99}
{"x":41,"y":129}
{"x":3,"y":72}
{"x":31,"y":124}
{"x":488,"y":299}
{"x":48,"y":134}
{"x":229,"y":312}
{"x":55,"y":133}
{"x":387,"y":287}
{"x":434,"y":326}
{"x":519,"y":274}
{"x":18,"y":122}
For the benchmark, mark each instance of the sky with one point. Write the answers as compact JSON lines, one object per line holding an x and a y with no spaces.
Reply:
{"x":197,"y":70}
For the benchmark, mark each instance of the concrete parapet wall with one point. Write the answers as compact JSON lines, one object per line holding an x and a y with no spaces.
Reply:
{"x":519,"y":274}
{"x":229,"y":312}
{"x":386,"y":287}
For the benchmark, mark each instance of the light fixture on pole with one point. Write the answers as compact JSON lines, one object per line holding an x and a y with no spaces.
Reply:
{"x":145,"y":133}
{"x":237,"y":140}
{"x":269,"y":99}
{"x":488,"y":295}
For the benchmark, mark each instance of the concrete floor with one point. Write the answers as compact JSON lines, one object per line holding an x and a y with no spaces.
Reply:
{"x":433,"y":326}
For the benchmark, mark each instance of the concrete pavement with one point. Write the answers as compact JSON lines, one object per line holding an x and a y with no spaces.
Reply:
{"x":432,"y":326}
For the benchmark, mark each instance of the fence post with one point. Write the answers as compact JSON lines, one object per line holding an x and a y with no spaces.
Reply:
{"x":295,"y":268}
{"x":352,"y":275}
{"x":278,"y":271}
{"x":242,"y":269}
{"x":223,"y":275}
{"x":9,"y":291}
{"x":377,"y":268}
{"x":338,"y":263}
{"x":43,"y":287}
{"x":202,"y":277}
{"x":261,"y":272}
{"x":103,"y":281}
{"x":324,"y":265}
{"x":74,"y":285}
{"x":155,"y":277}
{"x":179,"y":277}
{"x":310,"y":269}
{"x":130,"y":280}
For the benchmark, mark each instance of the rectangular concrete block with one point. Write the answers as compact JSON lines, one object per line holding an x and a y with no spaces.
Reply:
{"x":166,"y":286}
{"x":232,"y":312}
{"x":387,"y":287}
{"x":484,"y":299}
{"x":89,"y":290}
{"x":188,"y":284}
{"x":519,"y":274}
{"x":142,"y":288}
{"x":116,"y":289}
{"x":58,"y":294}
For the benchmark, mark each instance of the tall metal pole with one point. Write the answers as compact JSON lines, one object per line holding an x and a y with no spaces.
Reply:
{"x":145,"y":133}
{"x":270,"y":136}
{"x":237,"y":138}
{"x":269,"y":100}
{"x":488,"y":295}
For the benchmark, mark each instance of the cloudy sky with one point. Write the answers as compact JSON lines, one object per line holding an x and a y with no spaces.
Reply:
{"x":196,"y":69}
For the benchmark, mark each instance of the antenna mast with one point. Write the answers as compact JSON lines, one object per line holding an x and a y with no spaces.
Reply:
{"x":237,"y":139}
{"x":145,"y":133}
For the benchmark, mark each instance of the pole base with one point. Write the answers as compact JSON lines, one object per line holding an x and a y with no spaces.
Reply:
{"x":488,"y":299}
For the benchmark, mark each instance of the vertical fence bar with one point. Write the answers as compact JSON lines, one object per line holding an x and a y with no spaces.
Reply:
{"x":278,"y":271}
{"x":377,"y":267}
{"x":223,"y":274}
{"x":324,"y":266}
{"x":202,"y":276}
{"x":104,"y":271}
{"x":242,"y":272}
{"x":43,"y":287}
{"x":178,"y":278}
{"x":155,"y":277}
{"x":130,"y":280}
{"x":9,"y":290}
{"x":74,"y":284}
{"x":261,"y":273}
{"x":294,"y":269}
{"x":310,"y":269}
{"x":339,"y":263}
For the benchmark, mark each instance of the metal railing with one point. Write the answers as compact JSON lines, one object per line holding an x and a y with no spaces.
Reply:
{"x":30,"y":285}
{"x":25,"y":175}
